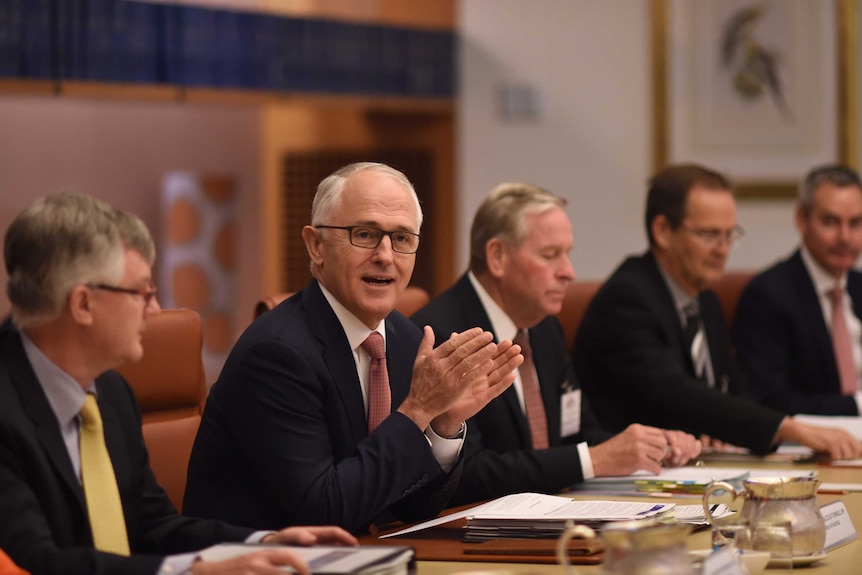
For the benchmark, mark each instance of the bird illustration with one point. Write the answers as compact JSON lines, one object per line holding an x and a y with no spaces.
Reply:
{"x":754,"y":68}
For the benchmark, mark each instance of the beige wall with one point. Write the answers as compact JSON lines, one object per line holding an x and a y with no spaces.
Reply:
{"x":119,"y":150}
{"x":590,"y":61}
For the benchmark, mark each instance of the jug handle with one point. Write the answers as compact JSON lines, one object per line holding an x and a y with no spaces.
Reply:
{"x":571,"y":531}
{"x":712,"y":488}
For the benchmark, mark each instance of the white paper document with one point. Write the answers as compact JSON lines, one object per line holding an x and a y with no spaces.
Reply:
{"x":851,"y":424}
{"x":540,"y":507}
{"x":365,"y":559}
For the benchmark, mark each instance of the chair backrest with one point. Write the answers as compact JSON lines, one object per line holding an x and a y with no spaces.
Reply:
{"x":412,"y":300}
{"x":728,"y":289}
{"x":578,"y":297}
{"x":8,"y":567}
{"x":170,"y":385}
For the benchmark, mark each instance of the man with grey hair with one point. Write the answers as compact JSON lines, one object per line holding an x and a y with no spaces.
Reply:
{"x":798,"y":326}
{"x":332,"y":407}
{"x":540,"y":435}
{"x":76,"y":491}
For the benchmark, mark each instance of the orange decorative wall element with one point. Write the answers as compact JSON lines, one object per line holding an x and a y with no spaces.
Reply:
{"x":196,"y":268}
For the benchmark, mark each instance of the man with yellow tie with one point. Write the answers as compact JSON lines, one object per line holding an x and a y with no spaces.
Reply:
{"x":76,"y":491}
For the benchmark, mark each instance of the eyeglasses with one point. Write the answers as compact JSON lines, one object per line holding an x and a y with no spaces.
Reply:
{"x":712,"y":238}
{"x":147,"y":294}
{"x":370,"y":238}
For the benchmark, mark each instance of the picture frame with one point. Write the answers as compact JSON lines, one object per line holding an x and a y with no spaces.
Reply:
{"x":761,"y":90}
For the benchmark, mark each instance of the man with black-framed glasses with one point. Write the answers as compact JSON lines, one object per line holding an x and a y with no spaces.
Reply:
{"x":653,"y":347}
{"x":333,"y":407}
{"x":77,"y":494}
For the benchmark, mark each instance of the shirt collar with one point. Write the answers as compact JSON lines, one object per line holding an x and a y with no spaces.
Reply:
{"x":354,"y":329}
{"x":681,"y":298}
{"x":501,"y":323}
{"x":65,"y":395}
{"x":823,"y":280}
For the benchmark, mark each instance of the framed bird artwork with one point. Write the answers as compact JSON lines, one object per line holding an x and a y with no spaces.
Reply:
{"x":759,"y":89}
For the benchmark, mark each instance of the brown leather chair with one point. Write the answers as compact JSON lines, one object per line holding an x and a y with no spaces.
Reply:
{"x":412,"y":300}
{"x":578,"y":297}
{"x":171,"y":389}
{"x":8,"y":567}
{"x":728,"y":289}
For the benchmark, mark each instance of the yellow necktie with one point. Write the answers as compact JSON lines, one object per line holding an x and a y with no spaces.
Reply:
{"x":100,"y":484}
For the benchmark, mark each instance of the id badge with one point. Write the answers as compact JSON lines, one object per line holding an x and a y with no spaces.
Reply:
{"x":570,"y":420}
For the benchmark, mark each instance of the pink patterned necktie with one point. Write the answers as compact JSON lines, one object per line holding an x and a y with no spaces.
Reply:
{"x":535,"y":408}
{"x":379,"y":397}
{"x":841,"y":343}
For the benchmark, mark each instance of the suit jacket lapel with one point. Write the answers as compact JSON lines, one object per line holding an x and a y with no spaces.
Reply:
{"x":811,"y":312}
{"x":398,"y":364}
{"x":547,"y":362}
{"x":39,"y":410}
{"x":115,"y":443}
{"x":476,"y":315}
{"x":337,"y":356}
{"x":666,"y":310}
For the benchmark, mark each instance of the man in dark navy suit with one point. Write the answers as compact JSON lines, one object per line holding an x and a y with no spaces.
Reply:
{"x":520,"y":242}
{"x":653,"y":346}
{"x":333,"y":407}
{"x":76,"y":491}
{"x":798,"y":326}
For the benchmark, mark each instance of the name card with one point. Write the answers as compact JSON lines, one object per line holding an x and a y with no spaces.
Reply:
{"x":839,"y":528}
{"x":725,"y":561}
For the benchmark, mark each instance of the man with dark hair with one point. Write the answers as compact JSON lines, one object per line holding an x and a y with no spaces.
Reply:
{"x":540,"y":435}
{"x":76,"y":491}
{"x":333,"y":407}
{"x":653,"y":347}
{"x":798,"y":326}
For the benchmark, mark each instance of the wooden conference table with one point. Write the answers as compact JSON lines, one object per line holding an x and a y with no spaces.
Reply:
{"x":845,"y":560}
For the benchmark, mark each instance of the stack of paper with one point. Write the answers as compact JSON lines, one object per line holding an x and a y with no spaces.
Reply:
{"x":363,"y":560}
{"x":679,"y":481}
{"x":534,"y":515}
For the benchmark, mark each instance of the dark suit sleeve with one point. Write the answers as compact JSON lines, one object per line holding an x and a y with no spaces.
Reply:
{"x":154,"y":525}
{"x":26,"y":536}
{"x":278,"y":409}
{"x":766,"y":334}
{"x":634,"y":373}
{"x":496,"y":461}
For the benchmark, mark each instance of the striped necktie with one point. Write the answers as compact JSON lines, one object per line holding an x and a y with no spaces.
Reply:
{"x":695,"y":341}
{"x":107,"y":522}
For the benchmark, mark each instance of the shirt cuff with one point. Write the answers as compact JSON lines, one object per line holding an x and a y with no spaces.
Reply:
{"x":177,"y":564}
{"x":858,"y":397}
{"x":586,"y":460}
{"x":446,"y":451}
{"x":257,"y":536}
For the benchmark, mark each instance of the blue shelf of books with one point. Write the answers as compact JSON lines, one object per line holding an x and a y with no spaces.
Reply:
{"x":123,"y":41}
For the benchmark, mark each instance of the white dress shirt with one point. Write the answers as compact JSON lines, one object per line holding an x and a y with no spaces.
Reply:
{"x":445,"y":451}
{"x":501,"y":323}
{"x":823,"y":284}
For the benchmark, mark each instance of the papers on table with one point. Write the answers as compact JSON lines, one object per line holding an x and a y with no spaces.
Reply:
{"x":538,"y":515}
{"x":364,"y":560}
{"x":680,"y":480}
{"x":852,"y":424}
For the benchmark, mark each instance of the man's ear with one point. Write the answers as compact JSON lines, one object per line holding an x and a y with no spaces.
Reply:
{"x":313,"y":243}
{"x":802,"y":219}
{"x":80,"y":305}
{"x":496,"y":255}
{"x":661,"y":231}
